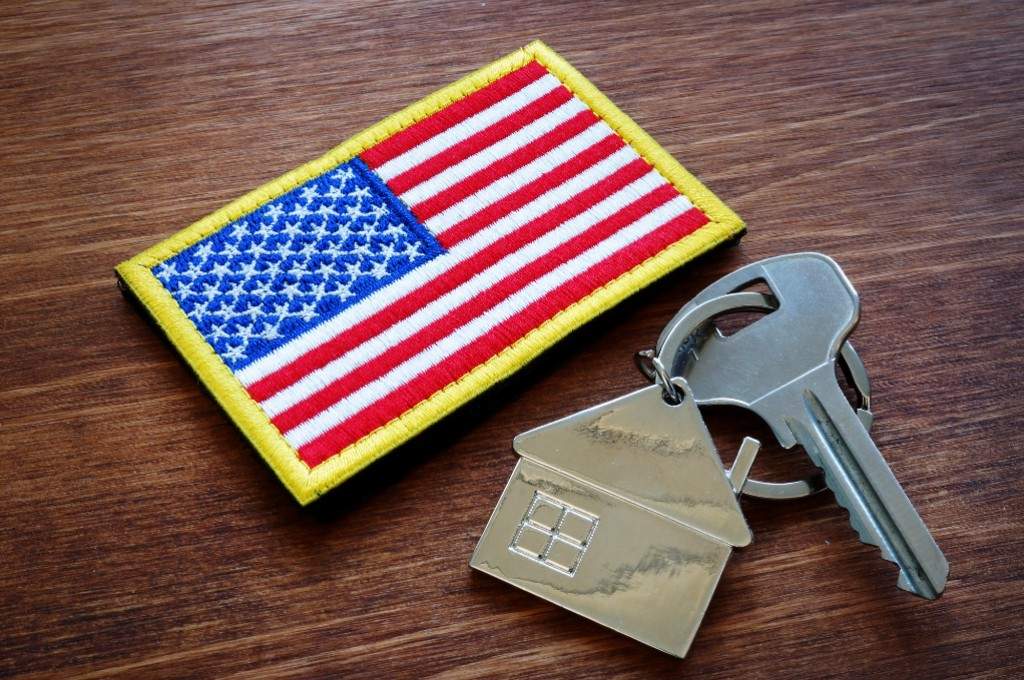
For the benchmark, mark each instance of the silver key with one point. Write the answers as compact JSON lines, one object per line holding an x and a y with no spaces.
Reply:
{"x":782,"y":367}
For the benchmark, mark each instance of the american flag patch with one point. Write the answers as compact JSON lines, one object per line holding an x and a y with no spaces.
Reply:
{"x":343,"y":308}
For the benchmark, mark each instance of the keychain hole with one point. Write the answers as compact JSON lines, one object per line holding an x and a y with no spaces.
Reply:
{"x":759,"y":286}
{"x":672,"y":398}
{"x":733,"y":322}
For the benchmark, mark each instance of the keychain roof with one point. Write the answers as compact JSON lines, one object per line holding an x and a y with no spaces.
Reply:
{"x":344,"y":307}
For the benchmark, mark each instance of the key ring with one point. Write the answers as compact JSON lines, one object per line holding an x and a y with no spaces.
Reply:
{"x":659,"y":375}
{"x":693,"y":327}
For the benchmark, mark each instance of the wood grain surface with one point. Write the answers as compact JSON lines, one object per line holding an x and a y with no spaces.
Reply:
{"x":140,"y":536}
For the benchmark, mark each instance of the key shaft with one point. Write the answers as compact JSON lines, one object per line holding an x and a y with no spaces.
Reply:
{"x":823,"y":422}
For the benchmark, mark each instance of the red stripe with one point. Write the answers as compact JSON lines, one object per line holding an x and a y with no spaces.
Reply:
{"x":458,"y":274}
{"x":480,"y":140}
{"x":430,"y":381}
{"x":459,"y":316}
{"x":453,"y":114}
{"x":460,"y":231}
{"x":502,"y":167}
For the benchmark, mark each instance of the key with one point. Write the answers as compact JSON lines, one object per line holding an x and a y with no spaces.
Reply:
{"x":782,"y":367}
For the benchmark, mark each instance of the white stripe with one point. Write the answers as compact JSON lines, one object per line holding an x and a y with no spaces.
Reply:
{"x":450,"y":345}
{"x":438,"y":308}
{"x":499,"y":149}
{"x":422,"y":275}
{"x":460,"y":131}
{"x":504,"y":186}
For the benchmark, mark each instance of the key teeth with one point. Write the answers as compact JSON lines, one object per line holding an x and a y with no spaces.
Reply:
{"x":865,"y":534}
{"x":867,"y":537}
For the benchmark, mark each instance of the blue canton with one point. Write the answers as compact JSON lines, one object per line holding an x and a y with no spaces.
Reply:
{"x":296,"y":261}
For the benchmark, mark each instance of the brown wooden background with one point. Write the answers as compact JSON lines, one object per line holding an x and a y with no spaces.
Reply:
{"x":141,"y":537}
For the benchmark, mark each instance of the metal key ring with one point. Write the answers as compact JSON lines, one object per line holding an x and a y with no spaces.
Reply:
{"x":697,"y":324}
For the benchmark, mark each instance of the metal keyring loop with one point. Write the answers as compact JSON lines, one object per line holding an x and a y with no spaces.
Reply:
{"x":696,"y":324}
{"x":651,"y":366}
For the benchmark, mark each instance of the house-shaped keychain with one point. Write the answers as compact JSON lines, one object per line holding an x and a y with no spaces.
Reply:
{"x":623,"y":514}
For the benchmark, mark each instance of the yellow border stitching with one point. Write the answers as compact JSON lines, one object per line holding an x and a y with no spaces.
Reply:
{"x":308,"y":484}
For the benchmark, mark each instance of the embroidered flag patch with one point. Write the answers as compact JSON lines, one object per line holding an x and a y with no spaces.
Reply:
{"x":343,"y":308}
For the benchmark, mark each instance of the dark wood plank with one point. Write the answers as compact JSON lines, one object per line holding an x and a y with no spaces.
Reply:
{"x":141,"y":536}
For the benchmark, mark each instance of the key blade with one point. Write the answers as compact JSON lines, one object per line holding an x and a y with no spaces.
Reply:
{"x":863,"y":484}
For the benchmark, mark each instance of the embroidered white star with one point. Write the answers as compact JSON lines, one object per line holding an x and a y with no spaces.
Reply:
{"x":344,"y":231}
{"x":262,"y":289}
{"x":291,"y":229}
{"x":200,"y":308}
{"x":211,"y":290}
{"x":220,"y":269}
{"x":218,"y":332}
{"x":318,"y":290}
{"x":204,"y":250}
{"x":354,"y":269}
{"x":393,"y":231}
{"x":236,"y":289}
{"x":248,"y":269}
{"x":379,"y":269}
{"x":254,"y":310}
{"x":308,"y":311}
{"x":344,"y":174}
{"x":265,"y":230}
{"x":371,"y":229}
{"x":342,"y":290}
{"x":297,"y":269}
{"x":291,"y":289}
{"x":411,"y":250}
{"x":274,"y":212}
{"x":327,"y":269}
{"x":165,"y":270}
{"x":321,"y":229}
{"x":258,"y":250}
{"x":272,"y":269}
{"x":244,"y":330}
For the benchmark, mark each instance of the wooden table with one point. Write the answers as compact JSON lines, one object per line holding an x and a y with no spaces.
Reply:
{"x":142,"y":537}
